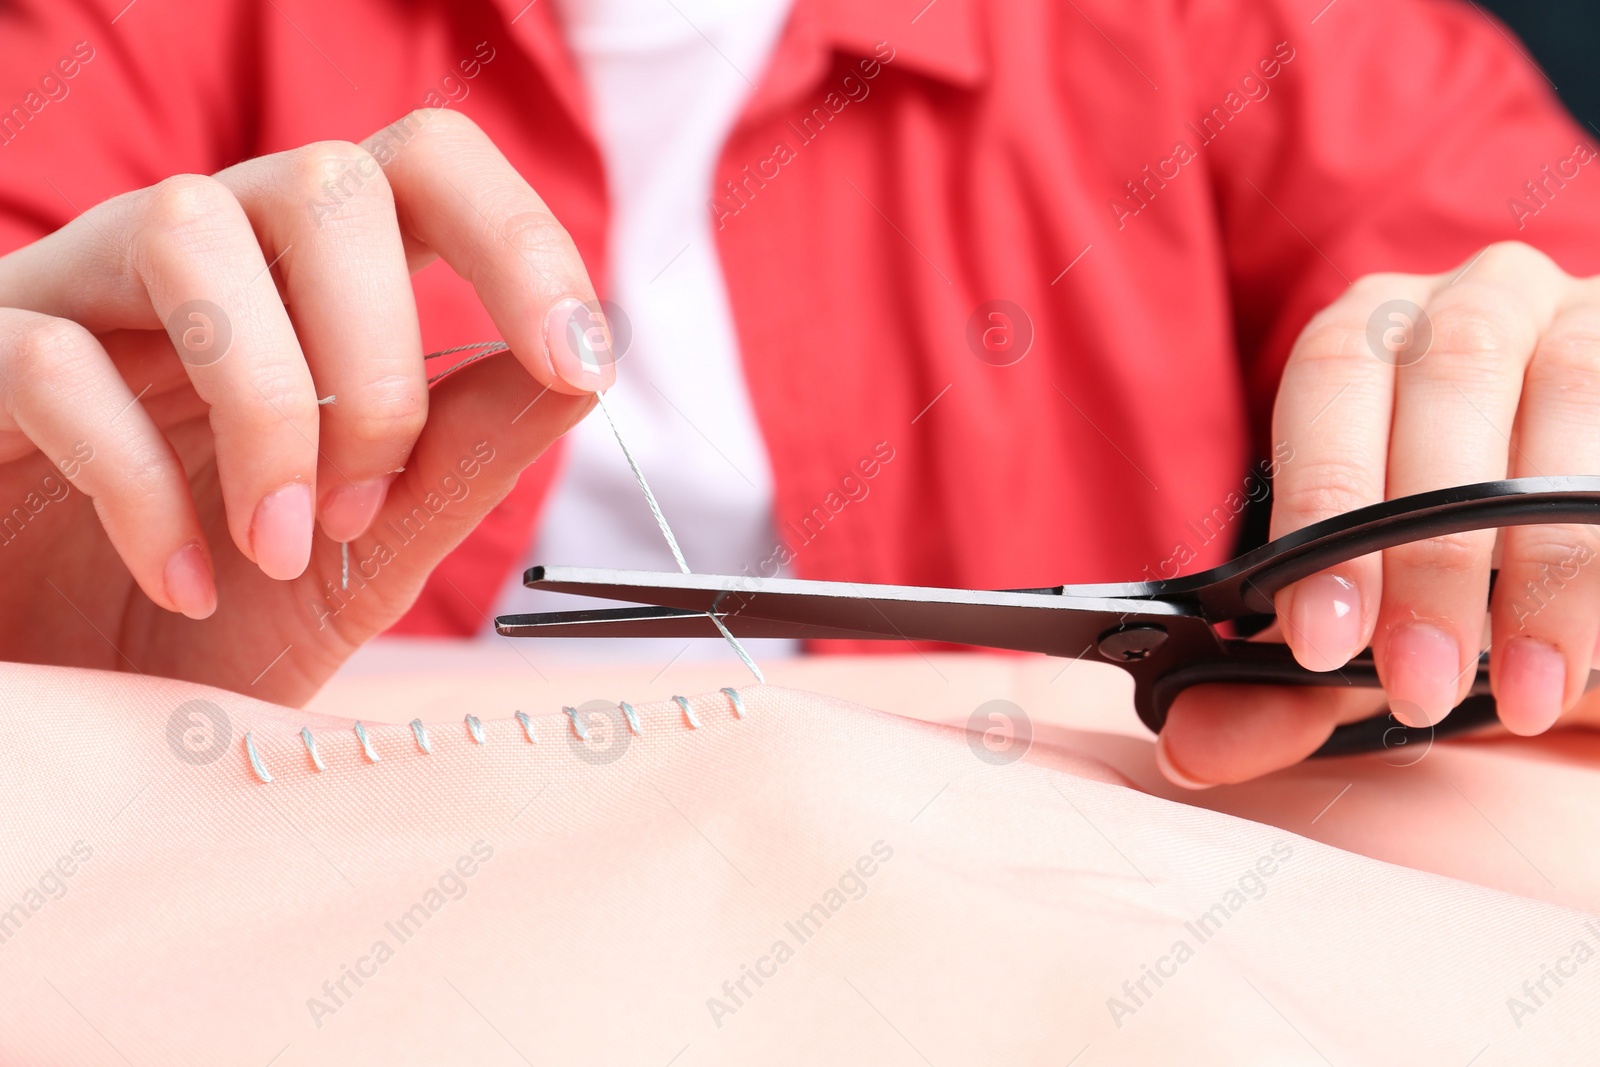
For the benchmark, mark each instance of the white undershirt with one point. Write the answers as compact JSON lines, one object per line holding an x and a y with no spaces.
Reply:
{"x":666,"y":81}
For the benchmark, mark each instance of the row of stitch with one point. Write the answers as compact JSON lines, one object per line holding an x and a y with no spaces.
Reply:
{"x":475,"y":730}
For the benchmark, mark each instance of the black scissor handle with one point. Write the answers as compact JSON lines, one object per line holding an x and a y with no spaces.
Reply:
{"x":1271,"y":663}
{"x":1246,"y":585}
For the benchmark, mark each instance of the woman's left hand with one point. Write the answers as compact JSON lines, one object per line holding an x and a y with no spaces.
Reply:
{"x":1409,"y":383}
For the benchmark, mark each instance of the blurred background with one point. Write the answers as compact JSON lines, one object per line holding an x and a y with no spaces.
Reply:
{"x":1562,"y":35}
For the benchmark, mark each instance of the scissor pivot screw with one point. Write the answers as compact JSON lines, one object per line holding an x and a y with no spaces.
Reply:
{"x":1128,"y":643}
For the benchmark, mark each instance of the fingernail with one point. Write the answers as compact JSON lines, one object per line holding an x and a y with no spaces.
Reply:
{"x":188,"y":581}
{"x":1325,"y":623}
{"x":579,"y":343}
{"x":348,"y":510}
{"x":1530,"y":686}
{"x":1170,"y":771}
{"x":280,"y":535}
{"x":1422,"y":663}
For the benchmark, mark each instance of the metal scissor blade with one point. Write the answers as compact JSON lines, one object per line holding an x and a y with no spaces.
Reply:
{"x":1024,"y":621}
{"x":657,"y":622}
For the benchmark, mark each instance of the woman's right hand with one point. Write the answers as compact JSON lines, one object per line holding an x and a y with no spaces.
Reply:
{"x":166,"y":353}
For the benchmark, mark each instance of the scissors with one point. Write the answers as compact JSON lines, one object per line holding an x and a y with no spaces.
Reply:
{"x":1164,"y":633}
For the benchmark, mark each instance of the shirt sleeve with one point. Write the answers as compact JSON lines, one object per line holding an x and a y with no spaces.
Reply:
{"x":1347,"y":139}
{"x":98,"y":98}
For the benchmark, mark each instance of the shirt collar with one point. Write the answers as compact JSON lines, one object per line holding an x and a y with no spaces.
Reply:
{"x":940,"y":39}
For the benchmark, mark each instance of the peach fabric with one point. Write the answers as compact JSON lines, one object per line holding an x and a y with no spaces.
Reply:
{"x":603,"y":901}
{"x":1503,"y":812}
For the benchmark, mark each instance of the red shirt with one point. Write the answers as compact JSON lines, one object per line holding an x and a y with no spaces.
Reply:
{"x":1168,"y":189}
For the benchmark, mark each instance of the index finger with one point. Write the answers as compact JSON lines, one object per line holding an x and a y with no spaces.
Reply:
{"x":458,"y":197}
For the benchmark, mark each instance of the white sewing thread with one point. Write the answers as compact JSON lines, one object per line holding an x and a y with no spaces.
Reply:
{"x":255,"y":759}
{"x":481,"y":350}
{"x":644,"y":486}
{"x":311,"y":747}
{"x":633,"y":716}
{"x":736,"y":700}
{"x":577,"y":724}
{"x":527,"y":727}
{"x":738,"y":649}
{"x":688,"y":712}
{"x":366,"y":745}
{"x":484,"y":349}
{"x":489,"y":347}
{"x":422,"y":736}
{"x":344,"y":565}
{"x":475,"y":728}
{"x":666,"y":532}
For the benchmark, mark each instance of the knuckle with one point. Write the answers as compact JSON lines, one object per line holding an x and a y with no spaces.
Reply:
{"x":434,"y":129}
{"x":1512,"y":257}
{"x":537,"y":233}
{"x":1568,"y":357}
{"x":1457,"y":553}
{"x":1540,"y":565}
{"x":1474,"y":335}
{"x":1331,"y":339}
{"x":1546,"y":547}
{"x":142,"y":478}
{"x":336,"y":170}
{"x":276,"y":399}
{"x":185,"y":201}
{"x":392,"y":408}
{"x":1383,"y":285}
{"x":48,"y":349}
{"x":435,"y":121}
{"x":1322,"y":490}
